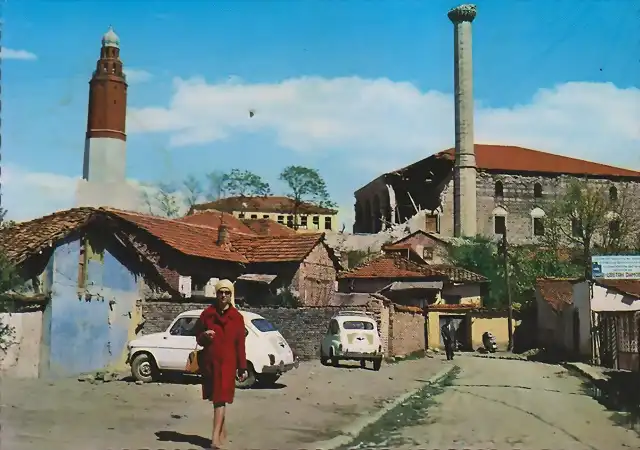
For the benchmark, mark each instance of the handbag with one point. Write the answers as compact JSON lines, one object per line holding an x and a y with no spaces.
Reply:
{"x":193,"y":363}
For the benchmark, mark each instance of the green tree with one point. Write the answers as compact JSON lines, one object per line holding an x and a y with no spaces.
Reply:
{"x":305,"y":186}
{"x":163,"y":199}
{"x":525,"y":264}
{"x":244,"y":183}
{"x":592,"y":216}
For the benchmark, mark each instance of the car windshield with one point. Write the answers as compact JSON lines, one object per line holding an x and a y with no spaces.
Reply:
{"x":357,"y":325}
{"x":263,"y":325}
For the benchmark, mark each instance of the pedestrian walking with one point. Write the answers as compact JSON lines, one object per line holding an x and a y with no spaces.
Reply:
{"x":449,"y":337}
{"x":221,"y":333}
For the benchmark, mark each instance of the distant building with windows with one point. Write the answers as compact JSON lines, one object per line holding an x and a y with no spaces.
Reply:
{"x":514,"y":187}
{"x":310,"y":218}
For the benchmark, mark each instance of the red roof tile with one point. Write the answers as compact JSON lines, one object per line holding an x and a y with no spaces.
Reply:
{"x":509,"y":158}
{"x":271,"y":204}
{"x":214,"y":219}
{"x":190,"y":239}
{"x":626,"y":287}
{"x":458,"y":274}
{"x":276,"y":248}
{"x":268,"y":227}
{"x":558,"y":292}
{"x":391,"y":265}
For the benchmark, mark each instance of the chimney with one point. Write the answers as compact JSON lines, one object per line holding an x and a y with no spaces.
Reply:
{"x":464,"y":172}
{"x":223,"y":235}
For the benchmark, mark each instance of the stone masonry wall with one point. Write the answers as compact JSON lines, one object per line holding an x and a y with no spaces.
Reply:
{"x":407,"y":333}
{"x":303,"y":328}
{"x":315,"y":279}
{"x":518,"y":200}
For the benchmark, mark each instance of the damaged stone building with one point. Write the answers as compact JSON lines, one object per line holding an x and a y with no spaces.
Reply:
{"x":513,"y":184}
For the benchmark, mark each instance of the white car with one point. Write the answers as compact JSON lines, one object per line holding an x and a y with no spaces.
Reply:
{"x":268,"y":353}
{"x":352,"y":336}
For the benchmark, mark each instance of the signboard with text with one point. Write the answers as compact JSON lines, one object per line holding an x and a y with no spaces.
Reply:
{"x":616,"y":267}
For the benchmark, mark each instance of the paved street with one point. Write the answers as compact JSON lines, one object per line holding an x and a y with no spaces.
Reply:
{"x":312,"y":403}
{"x":502,"y":404}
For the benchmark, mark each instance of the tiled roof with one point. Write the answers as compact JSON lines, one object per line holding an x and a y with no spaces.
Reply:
{"x":268,"y":227}
{"x":276,"y":249}
{"x":558,"y":292}
{"x":509,"y":158}
{"x":190,"y":239}
{"x":27,"y":238}
{"x":213,"y":219}
{"x":391,"y":265}
{"x":626,"y":287}
{"x":458,"y":274}
{"x":271,"y":204}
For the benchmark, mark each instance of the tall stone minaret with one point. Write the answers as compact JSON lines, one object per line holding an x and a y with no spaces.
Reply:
{"x":103,"y":173}
{"x":464,"y":174}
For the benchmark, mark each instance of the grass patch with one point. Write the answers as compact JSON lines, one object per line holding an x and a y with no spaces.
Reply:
{"x":386,"y":432}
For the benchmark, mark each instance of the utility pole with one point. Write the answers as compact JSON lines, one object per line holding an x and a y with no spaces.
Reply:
{"x":505,"y":259}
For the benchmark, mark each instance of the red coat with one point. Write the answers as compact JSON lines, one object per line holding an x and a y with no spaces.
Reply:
{"x":223,"y":354}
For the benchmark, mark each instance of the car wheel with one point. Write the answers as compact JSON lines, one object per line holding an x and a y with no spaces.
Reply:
{"x":268,"y":379}
{"x":377,"y":363}
{"x":250,"y":380}
{"x":334,"y":359}
{"x":143,"y":368}
{"x":363,"y":364}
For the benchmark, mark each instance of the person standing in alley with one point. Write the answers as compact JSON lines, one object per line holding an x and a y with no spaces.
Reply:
{"x":449,"y":337}
{"x":221,"y":333}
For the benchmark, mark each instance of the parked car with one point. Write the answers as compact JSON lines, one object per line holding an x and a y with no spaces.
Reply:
{"x":268,"y":353}
{"x":352,"y":336}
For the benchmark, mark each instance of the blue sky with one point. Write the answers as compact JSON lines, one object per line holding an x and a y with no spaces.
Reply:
{"x":352,"y":88}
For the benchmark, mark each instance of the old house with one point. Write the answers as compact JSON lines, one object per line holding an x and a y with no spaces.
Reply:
{"x":90,"y":265}
{"x":514,"y":185}
{"x":310,"y":218}
{"x":615,"y":321}
{"x":556,"y":316}
{"x":431,"y":248}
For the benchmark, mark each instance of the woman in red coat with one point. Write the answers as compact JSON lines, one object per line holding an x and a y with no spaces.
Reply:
{"x":222,"y":334}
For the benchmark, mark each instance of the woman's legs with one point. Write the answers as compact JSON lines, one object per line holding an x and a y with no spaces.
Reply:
{"x":218,"y":425}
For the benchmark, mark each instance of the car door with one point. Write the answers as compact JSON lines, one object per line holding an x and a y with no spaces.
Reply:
{"x":178,"y":343}
{"x":331,"y":336}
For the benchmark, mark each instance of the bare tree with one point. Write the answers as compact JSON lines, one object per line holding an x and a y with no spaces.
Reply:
{"x":216,"y":181}
{"x":588,"y":214}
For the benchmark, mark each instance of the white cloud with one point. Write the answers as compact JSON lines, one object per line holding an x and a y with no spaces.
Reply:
{"x":394,"y":122}
{"x":27,"y":195}
{"x":8,"y":53}
{"x":137,"y":75}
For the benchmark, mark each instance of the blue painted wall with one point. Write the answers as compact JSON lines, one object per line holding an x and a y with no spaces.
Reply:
{"x":89,"y":332}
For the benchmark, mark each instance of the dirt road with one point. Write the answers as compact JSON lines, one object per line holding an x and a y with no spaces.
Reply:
{"x":311,"y":404}
{"x":502,"y":404}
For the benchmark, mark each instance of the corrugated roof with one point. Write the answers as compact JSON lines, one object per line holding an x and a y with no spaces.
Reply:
{"x":626,"y":287}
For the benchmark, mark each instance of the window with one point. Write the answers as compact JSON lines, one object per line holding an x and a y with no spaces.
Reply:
{"x":254,"y":216}
{"x":614,"y":229}
{"x":290,"y":221}
{"x":537,"y":190}
{"x":263,"y":325}
{"x":316,"y":222}
{"x":499,"y":189}
{"x":327,"y":223}
{"x":265,"y":216}
{"x":303,"y":221}
{"x":185,"y":326}
{"x":431,"y":223}
{"x":538,"y":226}
{"x":427,"y":254}
{"x":499,"y":224}
{"x":281,"y":220}
{"x":241,"y":215}
{"x":613,"y":194}
{"x":576,"y":227}
{"x":451,"y":299}
{"x":357,"y":325}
